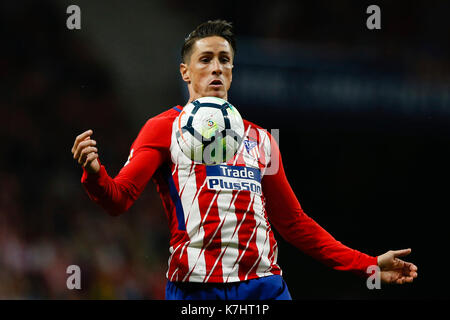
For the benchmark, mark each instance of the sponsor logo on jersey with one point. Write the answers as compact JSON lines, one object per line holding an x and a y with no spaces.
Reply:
{"x":223,"y":177}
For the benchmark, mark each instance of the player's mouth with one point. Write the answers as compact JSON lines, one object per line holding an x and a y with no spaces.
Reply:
{"x":216,"y":83}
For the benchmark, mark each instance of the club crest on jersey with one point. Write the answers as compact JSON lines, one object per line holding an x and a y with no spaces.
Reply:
{"x":223,"y":177}
{"x":252,"y":148}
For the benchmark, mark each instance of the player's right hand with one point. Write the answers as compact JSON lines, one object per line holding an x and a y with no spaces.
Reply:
{"x":85,"y":152}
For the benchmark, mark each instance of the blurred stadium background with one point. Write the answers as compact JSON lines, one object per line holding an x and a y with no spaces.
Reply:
{"x":363,"y":118}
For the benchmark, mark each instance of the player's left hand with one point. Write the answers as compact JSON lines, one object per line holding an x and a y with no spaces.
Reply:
{"x":395,"y":270}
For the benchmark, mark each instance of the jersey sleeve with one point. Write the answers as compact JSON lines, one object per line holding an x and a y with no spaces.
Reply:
{"x":295,"y":226}
{"x":148,"y":152}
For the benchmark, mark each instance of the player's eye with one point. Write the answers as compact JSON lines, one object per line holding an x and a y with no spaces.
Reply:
{"x":225,"y":59}
{"x":205,"y":59}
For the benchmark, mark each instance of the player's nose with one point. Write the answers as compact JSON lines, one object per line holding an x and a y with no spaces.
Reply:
{"x":216,"y":67}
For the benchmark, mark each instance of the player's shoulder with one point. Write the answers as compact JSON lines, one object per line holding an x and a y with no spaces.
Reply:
{"x":251,"y":125}
{"x":162,"y":120}
{"x":254,"y":130}
{"x":158,"y":127}
{"x":166,"y":116}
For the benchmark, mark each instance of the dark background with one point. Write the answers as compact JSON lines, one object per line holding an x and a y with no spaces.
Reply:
{"x":363,"y":118}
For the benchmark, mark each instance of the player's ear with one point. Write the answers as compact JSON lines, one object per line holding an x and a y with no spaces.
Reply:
{"x":184,"y":70}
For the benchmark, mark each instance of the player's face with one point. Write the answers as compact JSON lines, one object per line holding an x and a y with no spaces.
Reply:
{"x":209,"y":69}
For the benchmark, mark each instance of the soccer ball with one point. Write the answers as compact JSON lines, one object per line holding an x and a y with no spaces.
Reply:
{"x":209,"y":130}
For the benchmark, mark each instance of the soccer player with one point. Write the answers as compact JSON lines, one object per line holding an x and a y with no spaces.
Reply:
{"x":222,"y":245}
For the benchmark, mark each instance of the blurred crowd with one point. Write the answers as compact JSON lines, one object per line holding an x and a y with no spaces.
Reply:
{"x":52,"y":89}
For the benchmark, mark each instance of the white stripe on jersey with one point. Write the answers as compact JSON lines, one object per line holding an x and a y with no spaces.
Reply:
{"x":263,"y":145}
{"x":236,"y":264}
{"x":262,"y":269}
{"x":241,"y":148}
{"x":232,"y":258}
{"x":260,"y":253}
{"x":198,"y":262}
{"x":262,"y":233}
{"x":186,"y":219}
{"x":175,"y":168}
{"x":200,"y":202}
{"x":171,"y":250}
{"x":227,"y":222}
{"x":183,"y":180}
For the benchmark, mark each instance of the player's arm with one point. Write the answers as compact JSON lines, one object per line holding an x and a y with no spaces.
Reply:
{"x":117,"y":194}
{"x":296,"y":227}
{"x":286,"y":214}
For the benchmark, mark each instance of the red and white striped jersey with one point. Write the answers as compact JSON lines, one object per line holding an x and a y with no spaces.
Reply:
{"x":219,"y":215}
{"x":226,"y":235}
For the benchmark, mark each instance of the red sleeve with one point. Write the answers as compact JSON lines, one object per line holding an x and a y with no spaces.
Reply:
{"x":148,"y":152}
{"x":289,"y":219}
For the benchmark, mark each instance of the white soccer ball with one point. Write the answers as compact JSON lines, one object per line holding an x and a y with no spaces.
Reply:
{"x":209,"y":130}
